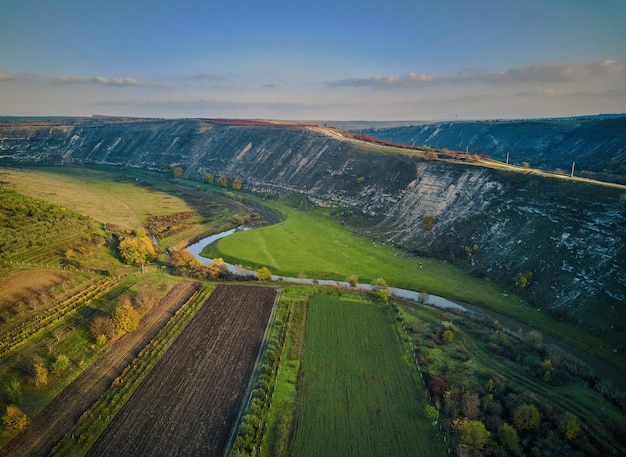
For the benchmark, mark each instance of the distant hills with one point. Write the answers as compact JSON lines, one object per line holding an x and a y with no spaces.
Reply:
{"x":596,"y":143}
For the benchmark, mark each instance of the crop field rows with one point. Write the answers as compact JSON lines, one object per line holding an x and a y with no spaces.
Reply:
{"x":356,"y":394}
{"x":37,"y":324}
{"x":187,"y":404}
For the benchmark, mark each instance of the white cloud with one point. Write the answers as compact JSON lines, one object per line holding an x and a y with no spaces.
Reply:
{"x":103,"y":81}
{"x":552,"y":72}
{"x":16,"y":76}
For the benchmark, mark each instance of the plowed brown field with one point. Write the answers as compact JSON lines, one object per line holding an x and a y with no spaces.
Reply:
{"x":56,"y":419}
{"x":188,"y":403}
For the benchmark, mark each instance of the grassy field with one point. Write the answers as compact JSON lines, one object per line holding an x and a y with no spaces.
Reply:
{"x":356,"y":394}
{"x":305,"y":244}
{"x":128,"y":198}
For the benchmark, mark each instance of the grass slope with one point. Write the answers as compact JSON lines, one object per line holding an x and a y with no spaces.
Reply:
{"x":357,"y":396}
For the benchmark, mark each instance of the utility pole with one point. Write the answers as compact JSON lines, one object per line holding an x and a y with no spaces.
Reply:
{"x":507,"y":158}
{"x":572,"y":174}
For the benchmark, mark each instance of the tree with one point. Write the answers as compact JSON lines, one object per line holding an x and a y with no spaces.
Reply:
{"x":447,"y":336}
{"x":507,"y":436}
{"x":474,"y":435}
{"x":177,"y":171}
{"x":427,"y":222}
{"x":126,"y":318}
{"x":264,"y":274}
{"x":522,"y":280}
{"x":526,"y":417}
{"x":222,"y":181}
{"x":135,"y":251}
{"x":431,"y":412}
{"x":237,"y":184}
{"x":60,"y":364}
{"x":14,"y":420}
{"x":430,"y":155}
{"x":353,"y":280}
{"x":568,"y":425}
{"x":103,"y":326}
{"x":209,"y":178}
{"x":379,"y":283}
{"x":382,"y":295}
{"x":13,"y":391}
{"x":40,"y":374}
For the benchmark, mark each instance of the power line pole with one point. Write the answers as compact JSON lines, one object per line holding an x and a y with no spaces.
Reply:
{"x":572,"y":174}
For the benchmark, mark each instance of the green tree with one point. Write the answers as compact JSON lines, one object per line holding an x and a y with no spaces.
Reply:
{"x":522,"y":280}
{"x":431,"y":412}
{"x":264,"y":274}
{"x":137,"y":251}
{"x":13,"y":391}
{"x":474,"y":435}
{"x":526,"y":417}
{"x":209,"y":178}
{"x":40,"y":374}
{"x":126,"y":318}
{"x":382,"y":295}
{"x":379,"y":283}
{"x":177,"y":171}
{"x":60,"y":364}
{"x":427,"y":222}
{"x":507,"y":436}
{"x":353,"y":280}
{"x":447,"y":336}
{"x":222,"y":181}
{"x":14,"y":420}
{"x":568,"y":425}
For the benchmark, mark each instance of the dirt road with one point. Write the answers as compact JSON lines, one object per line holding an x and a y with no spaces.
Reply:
{"x":56,"y":419}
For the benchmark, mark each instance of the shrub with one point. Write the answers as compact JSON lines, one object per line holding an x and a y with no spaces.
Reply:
{"x":526,"y":417}
{"x":447,"y":336}
{"x":14,"y":420}
{"x":40,"y":374}
{"x":507,"y":436}
{"x":60,"y":364}
{"x":568,"y":425}
{"x":126,"y":318}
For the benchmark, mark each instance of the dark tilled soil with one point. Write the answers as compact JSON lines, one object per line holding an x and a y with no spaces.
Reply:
{"x":56,"y":419}
{"x":188,"y":403}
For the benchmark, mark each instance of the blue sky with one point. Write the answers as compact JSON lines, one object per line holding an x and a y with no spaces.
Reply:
{"x":331,"y":60}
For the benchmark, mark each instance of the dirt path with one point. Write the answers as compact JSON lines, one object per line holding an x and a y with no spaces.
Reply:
{"x":56,"y":419}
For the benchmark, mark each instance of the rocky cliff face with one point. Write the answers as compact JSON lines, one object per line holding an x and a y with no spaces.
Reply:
{"x":494,"y":223}
{"x":594,"y":143}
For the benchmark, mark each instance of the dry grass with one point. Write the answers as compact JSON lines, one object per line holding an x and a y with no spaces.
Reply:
{"x":95,"y":194}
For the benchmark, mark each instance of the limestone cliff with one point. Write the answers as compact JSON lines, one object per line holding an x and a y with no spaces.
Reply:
{"x":495,"y":223}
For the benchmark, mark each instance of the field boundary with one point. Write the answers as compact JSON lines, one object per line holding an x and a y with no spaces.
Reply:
{"x":247,"y":396}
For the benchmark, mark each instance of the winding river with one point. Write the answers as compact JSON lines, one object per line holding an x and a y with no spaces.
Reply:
{"x":432,"y":300}
{"x":602,"y":368}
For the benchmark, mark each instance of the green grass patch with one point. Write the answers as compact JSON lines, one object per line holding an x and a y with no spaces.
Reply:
{"x":356,"y":394}
{"x":310,"y":245}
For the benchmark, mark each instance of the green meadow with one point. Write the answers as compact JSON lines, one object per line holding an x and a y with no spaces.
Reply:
{"x":356,"y":394}
{"x":309,"y":244}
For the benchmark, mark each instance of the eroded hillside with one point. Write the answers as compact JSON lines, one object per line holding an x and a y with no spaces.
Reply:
{"x":496,"y":223}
